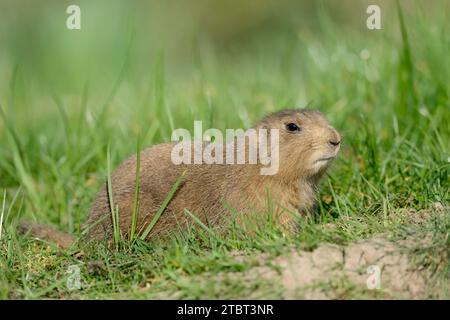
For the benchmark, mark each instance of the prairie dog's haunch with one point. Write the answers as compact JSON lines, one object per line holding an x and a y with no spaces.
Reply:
{"x":307,"y":145}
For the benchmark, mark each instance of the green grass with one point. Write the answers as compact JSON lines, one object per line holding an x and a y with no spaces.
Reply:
{"x":60,"y":131}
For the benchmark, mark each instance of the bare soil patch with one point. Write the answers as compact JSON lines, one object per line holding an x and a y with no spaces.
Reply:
{"x":335,"y":272}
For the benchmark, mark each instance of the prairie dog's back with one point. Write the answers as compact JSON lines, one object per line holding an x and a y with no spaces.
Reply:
{"x":202,"y":191}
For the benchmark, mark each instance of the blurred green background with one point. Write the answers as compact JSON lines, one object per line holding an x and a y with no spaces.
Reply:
{"x":124,"y":39}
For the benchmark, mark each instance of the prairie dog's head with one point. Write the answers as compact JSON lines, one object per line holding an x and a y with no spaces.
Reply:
{"x":307,"y":142}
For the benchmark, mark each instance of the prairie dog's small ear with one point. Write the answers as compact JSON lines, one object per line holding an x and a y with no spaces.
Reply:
{"x":263,"y":126}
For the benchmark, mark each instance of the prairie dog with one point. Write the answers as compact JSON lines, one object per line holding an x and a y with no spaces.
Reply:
{"x":307,"y":146}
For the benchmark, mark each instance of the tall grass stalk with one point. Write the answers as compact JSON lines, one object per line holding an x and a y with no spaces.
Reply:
{"x":114,"y":209}
{"x":2,"y":213}
{"x":136,"y":191}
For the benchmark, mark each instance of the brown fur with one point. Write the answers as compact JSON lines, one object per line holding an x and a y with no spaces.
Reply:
{"x":44,"y":232}
{"x":208,"y":190}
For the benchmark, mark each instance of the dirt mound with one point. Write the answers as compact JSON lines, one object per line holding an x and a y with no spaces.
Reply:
{"x":335,"y":272}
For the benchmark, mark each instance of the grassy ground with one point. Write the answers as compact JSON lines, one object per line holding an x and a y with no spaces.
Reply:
{"x":387,"y":91}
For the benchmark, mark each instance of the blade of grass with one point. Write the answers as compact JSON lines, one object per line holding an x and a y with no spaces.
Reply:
{"x":163,"y":206}
{"x":13,"y":201}
{"x":406,"y":86}
{"x":2,"y":213}
{"x":201,"y":224}
{"x":114,"y":214}
{"x":136,"y":191}
{"x":24,"y":176}
{"x":118,"y":82}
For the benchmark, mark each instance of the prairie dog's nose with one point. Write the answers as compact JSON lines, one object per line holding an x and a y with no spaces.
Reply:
{"x":335,"y":138}
{"x":334,"y":143}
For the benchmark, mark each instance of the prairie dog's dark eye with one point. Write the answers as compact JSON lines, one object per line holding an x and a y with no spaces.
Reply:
{"x":292,"y":127}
